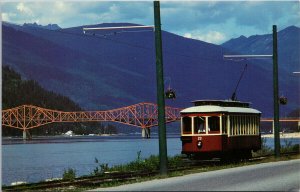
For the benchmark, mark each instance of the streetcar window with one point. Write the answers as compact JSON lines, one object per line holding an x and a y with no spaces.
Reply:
{"x":257,"y":125}
{"x":199,"y":125}
{"x":213,"y":123}
{"x":248,"y":118}
{"x":253,"y":125}
{"x":251,"y":132}
{"x":187,"y":125}
{"x":224,"y":124}
{"x":239,"y":125}
{"x":243,"y":125}
{"x":233,"y":125}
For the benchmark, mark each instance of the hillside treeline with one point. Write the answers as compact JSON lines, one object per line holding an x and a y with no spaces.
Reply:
{"x":16,"y":92}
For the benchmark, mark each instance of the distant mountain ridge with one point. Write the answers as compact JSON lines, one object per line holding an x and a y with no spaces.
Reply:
{"x":49,"y":26}
{"x":288,"y":47}
{"x":105,"y":70}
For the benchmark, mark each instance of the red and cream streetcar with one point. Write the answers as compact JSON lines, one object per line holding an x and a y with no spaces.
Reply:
{"x":220,"y":128}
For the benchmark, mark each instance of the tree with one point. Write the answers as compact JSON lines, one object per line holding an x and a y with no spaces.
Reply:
{"x":16,"y":92}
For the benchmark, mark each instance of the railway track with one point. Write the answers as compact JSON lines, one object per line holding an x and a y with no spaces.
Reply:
{"x":121,"y":176}
{"x":82,"y":181}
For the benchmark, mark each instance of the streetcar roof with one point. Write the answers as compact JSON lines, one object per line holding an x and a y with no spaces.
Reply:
{"x":213,"y":109}
{"x":222,"y":103}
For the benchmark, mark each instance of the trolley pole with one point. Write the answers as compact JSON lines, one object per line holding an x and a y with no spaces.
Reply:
{"x":160,"y":91}
{"x":276,"y":97}
{"x":275,"y":87}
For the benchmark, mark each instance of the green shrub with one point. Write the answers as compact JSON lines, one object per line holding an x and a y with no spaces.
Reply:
{"x":101,"y":168}
{"x":69,"y":174}
{"x":175,"y":162}
{"x":149,"y":164}
{"x":265,"y":150}
{"x":296,"y":148}
{"x":289,"y":147}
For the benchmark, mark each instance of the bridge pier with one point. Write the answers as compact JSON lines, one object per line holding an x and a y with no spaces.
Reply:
{"x":24,"y":134}
{"x":146,"y":133}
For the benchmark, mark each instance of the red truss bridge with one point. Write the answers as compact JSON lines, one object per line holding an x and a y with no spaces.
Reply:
{"x":143,"y":115}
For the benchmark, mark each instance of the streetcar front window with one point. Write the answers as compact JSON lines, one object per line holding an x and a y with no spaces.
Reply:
{"x":199,"y":125}
{"x":213,"y":124}
{"x":224,"y":124}
{"x":187,"y":125}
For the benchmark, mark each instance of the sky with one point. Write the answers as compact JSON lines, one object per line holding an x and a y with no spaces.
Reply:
{"x":210,"y":21}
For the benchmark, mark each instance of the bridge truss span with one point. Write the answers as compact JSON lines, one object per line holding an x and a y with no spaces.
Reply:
{"x":143,"y":115}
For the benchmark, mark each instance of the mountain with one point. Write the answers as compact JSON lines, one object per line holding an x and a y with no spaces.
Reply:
{"x":288,"y":56}
{"x":288,"y":47}
{"x":49,"y":26}
{"x":16,"y":92}
{"x":108,"y":69}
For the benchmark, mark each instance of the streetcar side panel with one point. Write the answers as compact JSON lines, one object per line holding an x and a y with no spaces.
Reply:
{"x":202,"y":143}
{"x":251,"y":142}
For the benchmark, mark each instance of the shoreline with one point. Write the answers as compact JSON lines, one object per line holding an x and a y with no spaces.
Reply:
{"x":283,"y":135}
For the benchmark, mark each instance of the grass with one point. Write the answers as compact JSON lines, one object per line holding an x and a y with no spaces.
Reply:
{"x":149,"y":164}
{"x":152,"y":164}
{"x":184,"y":172}
{"x":69,"y":174}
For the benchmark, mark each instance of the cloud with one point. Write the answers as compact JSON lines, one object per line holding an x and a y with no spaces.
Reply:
{"x":61,"y":6}
{"x":210,"y":37}
{"x":24,"y":9}
{"x":70,"y":13}
{"x":231,"y":19}
{"x":8,"y":16}
{"x":259,"y":15}
{"x":213,"y":21}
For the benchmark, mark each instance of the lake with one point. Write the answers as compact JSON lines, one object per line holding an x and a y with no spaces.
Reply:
{"x":47,"y":157}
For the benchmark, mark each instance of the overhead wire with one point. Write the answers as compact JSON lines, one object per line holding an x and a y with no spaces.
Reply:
{"x":105,"y":37}
{"x":118,"y":41}
{"x":99,"y":36}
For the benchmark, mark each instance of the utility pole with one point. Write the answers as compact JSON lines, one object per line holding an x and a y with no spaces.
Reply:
{"x":160,"y":91}
{"x":275,"y":87}
{"x":160,"y":82}
{"x":275,"y":94}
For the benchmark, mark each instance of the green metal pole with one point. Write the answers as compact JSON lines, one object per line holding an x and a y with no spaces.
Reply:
{"x":160,"y":91}
{"x":276,"y":97}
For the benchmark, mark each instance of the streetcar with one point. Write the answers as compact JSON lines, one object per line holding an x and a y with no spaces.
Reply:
{"x":225,"y":129}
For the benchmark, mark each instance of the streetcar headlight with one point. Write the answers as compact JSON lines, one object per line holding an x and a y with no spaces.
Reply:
{"x":199,"y":144}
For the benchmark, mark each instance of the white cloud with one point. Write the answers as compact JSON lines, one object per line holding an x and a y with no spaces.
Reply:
{"x":24,"y":9}
{"x":60,"y":6}
{"x":210,"y":21}
{"x":210,"y":37}
{"x":188,"y":35}
{"x":8,"y":16}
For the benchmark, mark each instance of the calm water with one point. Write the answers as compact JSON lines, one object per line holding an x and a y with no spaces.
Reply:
{"x":43,"y":158}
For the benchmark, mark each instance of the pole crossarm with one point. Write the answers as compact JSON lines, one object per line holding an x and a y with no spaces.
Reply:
{"x":247,"y":56}
{"x":113,"y":28}
{"x":281,"y":120}
{"x":143,"y":115}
